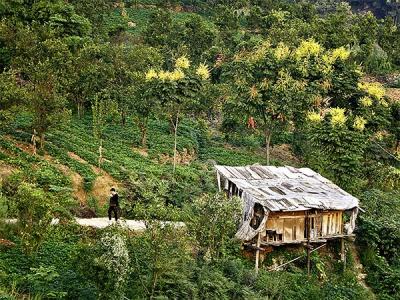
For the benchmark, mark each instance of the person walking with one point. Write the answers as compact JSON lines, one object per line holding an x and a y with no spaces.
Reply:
{"x":114,"y":205}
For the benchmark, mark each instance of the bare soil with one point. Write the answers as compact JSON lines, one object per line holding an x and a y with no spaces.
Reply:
{"x":102,"y":184}
{"x":284,"y":153}
{"x":79,"y":192}
{"x":393,"y":94}
{"x":141,"y":151}
{"x":77,"y":157}
{"x":6,"y":170}
{"x":182,"y":158}
{"x":101,"y":187}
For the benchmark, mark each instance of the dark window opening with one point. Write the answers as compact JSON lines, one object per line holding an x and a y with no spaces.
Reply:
{"x":258,"y":216}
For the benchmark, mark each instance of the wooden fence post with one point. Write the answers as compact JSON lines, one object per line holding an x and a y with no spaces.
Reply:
{"x":258,"y":251}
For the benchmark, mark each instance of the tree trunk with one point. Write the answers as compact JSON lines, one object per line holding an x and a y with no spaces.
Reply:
{"x":258,"y":252}
{"x":175,"y":139}
{"x":172,"y":124}
{"x":34,"y":140}
{"x":142,"y":124}
{"x":80,"y":108}
{"x":143,"y":136}
{"x":267,"y":143}
{"x":100,"y":152}
{"x":42,"y":141}
{"x":123,"y":118}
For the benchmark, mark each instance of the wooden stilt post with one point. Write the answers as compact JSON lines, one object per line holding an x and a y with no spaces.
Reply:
{"x":343,"y":253}
{"x":258,"y":251}
{"x":308,"y":245}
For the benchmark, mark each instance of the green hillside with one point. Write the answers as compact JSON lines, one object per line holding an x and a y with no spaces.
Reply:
{"x":147,"y":97}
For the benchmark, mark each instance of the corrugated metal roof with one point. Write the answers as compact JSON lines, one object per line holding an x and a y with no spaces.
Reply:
{"x":288,"y":188}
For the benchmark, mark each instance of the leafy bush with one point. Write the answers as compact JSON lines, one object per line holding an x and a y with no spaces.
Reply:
{"x":379,"y":235}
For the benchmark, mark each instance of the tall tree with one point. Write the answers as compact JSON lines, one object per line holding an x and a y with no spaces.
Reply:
{"x":177,"y":90}
{"x":276,"y":84}
{"x":102,"y":109}
{"x":91,"y":72}
{"x":42,"y":61}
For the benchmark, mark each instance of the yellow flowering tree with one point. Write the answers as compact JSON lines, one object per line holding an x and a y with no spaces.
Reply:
{"x":373,"y":105}
{"x":277,"y":85}
{"x":342,"y":139}
{"x":177,"y":90}
{"x":336,"y":145}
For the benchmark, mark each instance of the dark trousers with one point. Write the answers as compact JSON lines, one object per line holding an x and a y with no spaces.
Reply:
{"x":115,"y":210}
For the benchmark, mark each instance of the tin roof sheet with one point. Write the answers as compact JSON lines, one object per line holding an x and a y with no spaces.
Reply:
{"x":288,"y":188}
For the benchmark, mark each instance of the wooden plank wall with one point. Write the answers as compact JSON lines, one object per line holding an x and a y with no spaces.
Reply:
{"x":292,"y":224}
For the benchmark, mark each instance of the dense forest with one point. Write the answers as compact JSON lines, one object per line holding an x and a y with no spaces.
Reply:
{"x":147,"y":96}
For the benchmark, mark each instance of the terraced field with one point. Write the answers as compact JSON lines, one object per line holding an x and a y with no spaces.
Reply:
{"x":70,"y":162}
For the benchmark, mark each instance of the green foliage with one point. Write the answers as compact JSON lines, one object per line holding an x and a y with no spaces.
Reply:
{"x":161,"y":263}
{"x":272,"y":60}
{"x":33,"y":208}
{"x":213,"y":220}
{"x":180,"y":34}
{"x":10,"y":96}
{"x":39,"y":280}
{"x":377,"y":61}
{"x":379,"y":236}
{"x":112,"y":264}
{"x":213,"y":284}
{"x":337,"y":152}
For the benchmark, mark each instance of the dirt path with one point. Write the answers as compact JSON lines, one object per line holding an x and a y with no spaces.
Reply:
{"x":136,"y":225}
{"x":393,"y":94}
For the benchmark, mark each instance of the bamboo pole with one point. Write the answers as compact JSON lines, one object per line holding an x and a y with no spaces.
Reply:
{"x":308,"y":246}
{"x":258,"y":251}
{"x":343,"y":252}
{"x":297,"y":258}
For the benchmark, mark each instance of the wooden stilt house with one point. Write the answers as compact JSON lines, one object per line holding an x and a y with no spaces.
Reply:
{"x":287,"y":205}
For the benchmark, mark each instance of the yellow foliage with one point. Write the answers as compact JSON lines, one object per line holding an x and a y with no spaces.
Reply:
{"x":164,"y":75}
{"x":279,"y":15}
{"x":260,"y":52}
{"x":253,"y":92}
{"x":359,"y":72}
{"x":374,"y":89}
{"x":203,"y":72}
{"x":337,"y":116}
{"x":284,"y":81}
{"x":340,"y":53}
{"x":366,"y":101}
{"x":328,"y":59}
{"x":182,"y":63}
{"x":151,"y":74}
{"x":176,"y":75}
{"x":314,"y":117}
{"x":307,"y":48}
{"x":326,"y":85}
{"x":281,"y":51}
{"x":359,"y":123}
{"x":264,"y":84}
